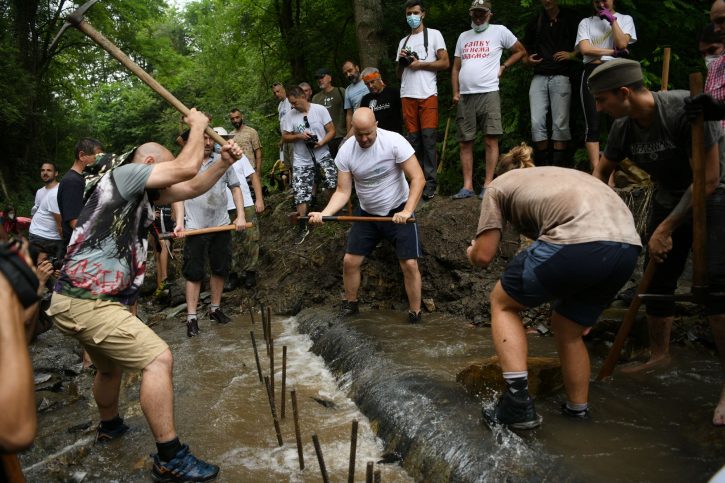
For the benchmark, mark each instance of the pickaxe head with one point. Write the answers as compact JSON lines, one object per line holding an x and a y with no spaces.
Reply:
{"x":72,"y":20}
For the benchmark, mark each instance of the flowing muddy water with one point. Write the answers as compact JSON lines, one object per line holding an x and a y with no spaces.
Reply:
{"x":222,"y":412}
{"x":652,"y":427}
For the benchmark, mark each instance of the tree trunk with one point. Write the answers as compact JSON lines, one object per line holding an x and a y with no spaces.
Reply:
{"x":368,"y":15}
{"x":288,"y":19}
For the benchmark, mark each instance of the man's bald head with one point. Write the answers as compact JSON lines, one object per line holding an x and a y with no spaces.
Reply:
{"x":151,"y":153}
{"x":365,"y":127}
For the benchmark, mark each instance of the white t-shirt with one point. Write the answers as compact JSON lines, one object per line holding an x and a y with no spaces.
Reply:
{"x":243,"y":168}
{"x":282,"y":109}
{"x":39,"y":195}
{"x":599,"y":33}
{"x":43,"y":223}
{"x":379,"y":179}
{"x":294,"y":122}
{"x":480,"y":55}
{"x":421,"y":84}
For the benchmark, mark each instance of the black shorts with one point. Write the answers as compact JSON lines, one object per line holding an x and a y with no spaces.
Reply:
{"x":216,"y":246}
{"x":37,"y":245}
{"x":163,"y":222}
{"x":580,"y":279}
{"x":668,"y":272}
{"x":364,"y":236}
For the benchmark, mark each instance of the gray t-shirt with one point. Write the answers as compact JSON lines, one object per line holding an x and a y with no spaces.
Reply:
{"x":557,"y":205}
{"x":210,"y":209}
{"x":663,"y":149}
{"x":333,"y":101}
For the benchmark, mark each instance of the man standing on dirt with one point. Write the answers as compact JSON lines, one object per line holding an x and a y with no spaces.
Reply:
{"x":285,"y":149}
{"x":308,"y":128}
{"x":586,"y":248}
{"x":208,"y":210}
{"x":477,"y":70}
{"x":353,"y":93}
{"x":70,"y":188}
{"x":652,"y":130}
{"x":421,"y":54}
{"x":333,"y":98}
{"x":45,"y":233}
{"x":378,"y":162}
{"x":103,"y":273}
{"x":383,"y":100}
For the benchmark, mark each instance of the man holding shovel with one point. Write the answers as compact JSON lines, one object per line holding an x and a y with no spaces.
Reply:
{"x":103,"y":273}
{"x":653,"y":131}
{"x":208,"y":209}
{"x":378,"y":162}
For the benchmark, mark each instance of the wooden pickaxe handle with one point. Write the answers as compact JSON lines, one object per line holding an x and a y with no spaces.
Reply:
{"x":117,"y":54}
{"x":666,"y":68}
{"x":203,"y":231}
{"x":294,"y":217}
{"x":629,"y":318}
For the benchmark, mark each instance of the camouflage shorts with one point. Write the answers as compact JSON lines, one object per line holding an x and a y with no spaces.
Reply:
{"x":303,"y":178}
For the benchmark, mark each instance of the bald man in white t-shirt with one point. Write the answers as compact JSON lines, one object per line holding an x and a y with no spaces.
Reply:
{"x":379,"y":162}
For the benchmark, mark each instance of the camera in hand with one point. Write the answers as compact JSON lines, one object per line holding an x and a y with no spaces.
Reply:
{"x":311,"y":141}
{"x":57,"y":264}
{"x":408,"y":56}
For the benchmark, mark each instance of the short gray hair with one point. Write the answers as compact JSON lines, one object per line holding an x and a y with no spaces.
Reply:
{"x":369,"y":70}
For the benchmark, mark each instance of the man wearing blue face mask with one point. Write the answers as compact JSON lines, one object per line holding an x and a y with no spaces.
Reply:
{"x":421,"y":54}
{"x":477,"y":68}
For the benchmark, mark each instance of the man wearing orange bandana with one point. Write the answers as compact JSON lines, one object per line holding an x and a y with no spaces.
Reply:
{"x":384,"y":101}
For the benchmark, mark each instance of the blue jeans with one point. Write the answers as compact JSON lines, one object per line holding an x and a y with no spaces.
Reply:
{"x":550,"y":92}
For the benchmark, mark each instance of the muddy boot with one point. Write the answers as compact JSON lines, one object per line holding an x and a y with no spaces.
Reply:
{"x":349,"y":308}
{"x":516,"y":411}
{"x":192,"y":327}
{"x":415,"y":317}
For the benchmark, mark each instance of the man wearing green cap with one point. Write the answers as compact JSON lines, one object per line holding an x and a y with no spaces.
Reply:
{"x":652,"y":130}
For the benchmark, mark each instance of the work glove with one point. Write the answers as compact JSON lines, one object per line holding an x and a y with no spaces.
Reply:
{"x":704,"y":104}
{"x":605,"y":14}
{"x":621,"y":53}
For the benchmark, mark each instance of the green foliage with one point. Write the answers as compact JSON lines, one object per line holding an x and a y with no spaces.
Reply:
{"x":218,"y":54}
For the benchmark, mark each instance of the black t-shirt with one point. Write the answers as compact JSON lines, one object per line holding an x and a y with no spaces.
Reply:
{"x":387,"y":108}
{"x":545,"y":37}
{"x":70,"y":201}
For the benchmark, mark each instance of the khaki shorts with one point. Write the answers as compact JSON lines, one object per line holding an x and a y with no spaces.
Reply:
{"x":479,"y":111}
{"x":111,"y":335}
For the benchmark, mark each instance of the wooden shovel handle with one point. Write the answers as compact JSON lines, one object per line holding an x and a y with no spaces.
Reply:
{"x":629,"y":318}
{"x":202,"y":231}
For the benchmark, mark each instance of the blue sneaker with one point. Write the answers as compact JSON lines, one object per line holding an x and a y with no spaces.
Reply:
{"x":184,"y":467}
{"x":463,"y":193}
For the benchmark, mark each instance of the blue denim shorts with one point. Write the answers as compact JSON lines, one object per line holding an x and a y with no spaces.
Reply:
{"x":579,"y":279}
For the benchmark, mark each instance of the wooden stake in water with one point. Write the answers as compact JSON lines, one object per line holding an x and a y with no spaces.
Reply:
{"x":283,"y":391}
{"x":376,"y":476}
{"x":271,"y":367}
{"x":320,"y":458}
{"x":274,"y":412}
{"x":369,"y":472}
{"x":251,"y":314}
{"x":298,"y":437}
{"x":256,"y":356}
{"x":353,"y":451}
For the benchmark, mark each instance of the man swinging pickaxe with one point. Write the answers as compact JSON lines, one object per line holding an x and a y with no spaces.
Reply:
{"x":76,"y":20}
